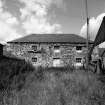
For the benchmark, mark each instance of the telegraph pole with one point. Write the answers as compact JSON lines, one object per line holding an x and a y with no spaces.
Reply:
{"x":87,"y":40}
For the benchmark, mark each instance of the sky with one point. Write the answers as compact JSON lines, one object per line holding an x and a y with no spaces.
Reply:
{"x":19,"y":18}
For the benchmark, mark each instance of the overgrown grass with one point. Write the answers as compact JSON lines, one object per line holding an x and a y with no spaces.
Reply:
{"x":12,"y":69}
{"x":49,"y":86}
{"x":13,"y":73}
{"x":52,"y":87}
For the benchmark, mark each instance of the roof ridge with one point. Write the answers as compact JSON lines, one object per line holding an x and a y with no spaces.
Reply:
{"x":73,"y":38}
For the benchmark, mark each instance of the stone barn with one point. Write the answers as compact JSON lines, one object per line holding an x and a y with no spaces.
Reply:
{"x":50,"y":50}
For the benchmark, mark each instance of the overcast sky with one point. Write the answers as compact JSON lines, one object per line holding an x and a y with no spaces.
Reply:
{"x":23,"y":17}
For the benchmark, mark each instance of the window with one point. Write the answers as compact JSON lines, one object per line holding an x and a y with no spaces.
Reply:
{"x":56,"y":49}
{"x":56,"y":62}
{"x":79,"y":48}
{"x":78,"y":60}
{"x":34,"y":48}
{"x":34,"y":59}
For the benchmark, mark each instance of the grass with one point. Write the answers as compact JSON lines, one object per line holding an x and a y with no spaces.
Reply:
{"x":61,"y":88}
{"x":13,"y":73}
{"x":24,"y":85}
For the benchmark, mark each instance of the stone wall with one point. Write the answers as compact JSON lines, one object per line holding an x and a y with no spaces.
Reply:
{"x":46,"y":54}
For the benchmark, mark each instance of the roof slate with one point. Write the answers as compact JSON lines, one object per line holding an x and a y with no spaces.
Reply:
{"x":51,"y":38}
{"x":101,"y":51}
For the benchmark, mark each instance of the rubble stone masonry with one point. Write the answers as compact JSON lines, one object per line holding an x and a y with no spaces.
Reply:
{"x":45,"y":54}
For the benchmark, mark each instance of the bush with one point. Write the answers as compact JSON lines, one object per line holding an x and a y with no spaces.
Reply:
{"x":12,"y":72}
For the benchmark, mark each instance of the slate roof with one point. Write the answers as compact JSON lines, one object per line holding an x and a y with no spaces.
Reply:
{"x":101,"y":51}
{"x":51,"y":38}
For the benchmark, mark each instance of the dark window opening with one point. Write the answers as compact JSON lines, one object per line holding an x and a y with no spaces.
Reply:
{"x":56,"y":47}
{"x":34,"y":59}
{"x":56,"y":62}
{"x":78,"y":60}
{"x":78,"y":47}
{"x":56,"y":58}
{"x":34,"y":48}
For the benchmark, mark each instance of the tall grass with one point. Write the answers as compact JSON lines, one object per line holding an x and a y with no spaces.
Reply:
{"x":13,"y":73}
{"x":49,"y":86}
{"x":65,"y":88}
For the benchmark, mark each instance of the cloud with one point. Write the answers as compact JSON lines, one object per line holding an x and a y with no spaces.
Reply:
{"x":7,"y":25}
{"x":7,"y":33}
{"x":94,"y":24}
{"x":34,"y":19}
{"x":34,"y":16}
{"x":36,"y":25}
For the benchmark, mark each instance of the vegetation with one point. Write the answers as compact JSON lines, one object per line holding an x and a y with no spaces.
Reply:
{"x":22,"y":84}
{"x":63,"y":88}
{"x":13,"y":72}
